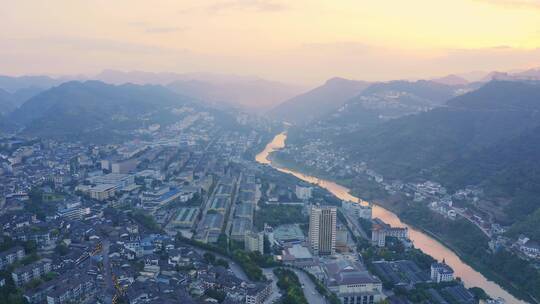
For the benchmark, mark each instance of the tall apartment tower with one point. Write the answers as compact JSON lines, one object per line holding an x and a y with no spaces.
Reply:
{"x":322,"y":230}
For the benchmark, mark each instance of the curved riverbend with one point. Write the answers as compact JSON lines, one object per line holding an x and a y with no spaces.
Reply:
{"x":421,"y":240}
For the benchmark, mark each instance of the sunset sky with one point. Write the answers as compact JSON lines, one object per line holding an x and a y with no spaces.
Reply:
{"x":301,"y":41}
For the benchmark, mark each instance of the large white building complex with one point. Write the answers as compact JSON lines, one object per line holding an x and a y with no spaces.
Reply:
{"x":380,"y":230}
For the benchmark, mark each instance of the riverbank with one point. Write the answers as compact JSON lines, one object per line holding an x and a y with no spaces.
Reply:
{"x":446,"y":240}
{"x":424,"y":241}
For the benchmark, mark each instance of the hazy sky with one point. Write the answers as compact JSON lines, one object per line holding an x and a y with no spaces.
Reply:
{"x":302,"y":41}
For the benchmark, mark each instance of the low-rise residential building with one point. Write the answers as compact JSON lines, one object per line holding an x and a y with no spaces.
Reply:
{"x":254,"y":241}
{"x":259,"y":293}
{"x":25,"y":274}
{"x":11,"y":256}
{"x":71,"y":288}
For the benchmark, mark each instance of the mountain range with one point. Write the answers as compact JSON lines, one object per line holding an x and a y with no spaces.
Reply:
{"x":316,"y":103}
{"x":11,"y":101}
{"x":486,"y":137}
{"x":360,"y":103}
{"x":251,"y":93}
{"x":221,"y":90}
{"x":384,"y":101}
{"x":93,"y":108}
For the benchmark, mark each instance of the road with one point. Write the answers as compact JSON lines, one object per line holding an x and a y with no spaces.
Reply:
{"x":107,"y":276}
{"x":234,"y":267}
{"x":311,"y":293}
{"x":486,"y":232}
{"x":276,"y":295}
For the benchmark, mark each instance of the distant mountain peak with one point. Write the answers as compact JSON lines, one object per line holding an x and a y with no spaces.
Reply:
{"x":334,"y":80}
{"x":452,"y":80}
{"x":319,"y":101}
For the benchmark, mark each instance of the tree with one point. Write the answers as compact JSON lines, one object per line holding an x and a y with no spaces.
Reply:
{"x":479,"y":293}
{"x":210,"y":258}
{"x":222,"y":262}
{"x":219,"y":295}
{"x":62,"y":249}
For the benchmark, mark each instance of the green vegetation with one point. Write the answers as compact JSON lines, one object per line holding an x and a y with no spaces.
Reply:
{"x":462,"y":234}
{"x":290,"y":286}
{"x":222,"y":263}
{"x":366,"y":225}
{"x":90,"y":111}
{"x":145,"y":220}
{"x":479,"y":293}
{"x":263,"y":260}
{"x":219,"y":295}
{"x":249,"y":265}
{"x":470,"y":243}
{"x":394,"y":251}
{"x":278,"y":215}
{"x":322,"y":289}
{"x":209,"y":257}
{"x":250,"y":262}
{"x":10,"y":295}
{"x":530,"y":227}
{"x":61,"y":249}
{"x":420,"y":293}
{"x":38,"y":206}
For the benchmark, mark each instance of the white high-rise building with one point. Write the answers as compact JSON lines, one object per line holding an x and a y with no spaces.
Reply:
{"x":322,"y":230}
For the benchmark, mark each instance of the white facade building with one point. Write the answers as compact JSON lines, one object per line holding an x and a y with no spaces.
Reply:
{"x":254,"y":242}
{"x":303,"y":193}
{"x":322,"y":230}
{"x":440,"y":272}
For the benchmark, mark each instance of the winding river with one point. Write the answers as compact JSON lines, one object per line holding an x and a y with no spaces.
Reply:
{"x":421,"y":240}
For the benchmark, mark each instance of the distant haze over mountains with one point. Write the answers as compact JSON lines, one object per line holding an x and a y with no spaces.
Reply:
{"x":282,"y":101}
{"x":451,"y":80}
{"x":364,"y":103}
{"x":249,"y":93}
{"x":252,"y":93}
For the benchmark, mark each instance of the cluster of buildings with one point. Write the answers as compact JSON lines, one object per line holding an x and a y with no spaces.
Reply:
{"x":342,"y":272}
{"x":381,"y":230}
{"x":109,"y":217}
{"x":97,"y":223}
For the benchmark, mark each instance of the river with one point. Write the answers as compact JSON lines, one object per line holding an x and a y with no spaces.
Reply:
{"x":421,"y":240}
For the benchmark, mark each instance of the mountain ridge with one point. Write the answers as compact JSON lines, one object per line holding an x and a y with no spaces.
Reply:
{"x":316,"y":102}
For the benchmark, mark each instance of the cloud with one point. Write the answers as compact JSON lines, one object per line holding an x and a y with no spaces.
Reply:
{"x":252,"y":5}
{"x":90,"y":44}
{"x":515,"y":3}
{"x":152,"y":29}
{"x":163,"y":30}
